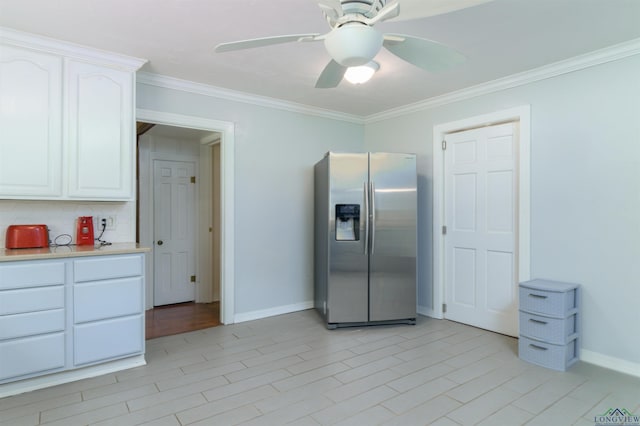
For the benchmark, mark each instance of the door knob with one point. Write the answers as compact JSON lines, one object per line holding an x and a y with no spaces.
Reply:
{"x":160,"y":242}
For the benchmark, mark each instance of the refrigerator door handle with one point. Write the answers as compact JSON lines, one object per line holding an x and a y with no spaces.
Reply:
{"x":373,"y":217}
{"x":366,"y":218}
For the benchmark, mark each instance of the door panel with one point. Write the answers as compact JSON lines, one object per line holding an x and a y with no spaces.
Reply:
{"x":174,"y":232}
{"x":480,"y":213}
{"x":392,"y":280}
{"x":347,"y":285}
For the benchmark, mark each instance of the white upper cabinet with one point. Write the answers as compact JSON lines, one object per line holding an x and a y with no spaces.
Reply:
{"x":67,"y":117}
{"x":100,"y":132}
{"x":31,"y":123}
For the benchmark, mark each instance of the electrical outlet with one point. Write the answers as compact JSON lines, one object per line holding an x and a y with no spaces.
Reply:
{"x":109,"y":221}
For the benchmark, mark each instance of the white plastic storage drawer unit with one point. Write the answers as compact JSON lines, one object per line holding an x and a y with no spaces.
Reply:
{"x":549,"y":323}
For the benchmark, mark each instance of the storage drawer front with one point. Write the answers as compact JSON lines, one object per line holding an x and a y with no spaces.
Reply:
{"x":32,"y":323}
{"x":556,"y":357}
{"x":553,"y":330}
{"x":31,"y":300}
{"x":103,"y":340}
{"x":31,"y":274}
{"x":104,"y":268}
{"x":107,"y":299}
{"x":547,"y":302}
{"x":31,"y":355}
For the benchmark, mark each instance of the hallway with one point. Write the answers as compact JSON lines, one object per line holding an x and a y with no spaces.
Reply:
{"x":180,"y":318}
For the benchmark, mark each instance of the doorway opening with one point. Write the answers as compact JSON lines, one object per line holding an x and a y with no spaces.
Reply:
{"x":189,"y":160}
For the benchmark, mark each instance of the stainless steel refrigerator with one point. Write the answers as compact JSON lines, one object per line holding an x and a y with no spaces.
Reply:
{"x":365,"y":238}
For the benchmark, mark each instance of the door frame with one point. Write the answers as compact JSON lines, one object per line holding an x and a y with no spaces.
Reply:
{"x":521,"y":115}
{"x":227,"y":194}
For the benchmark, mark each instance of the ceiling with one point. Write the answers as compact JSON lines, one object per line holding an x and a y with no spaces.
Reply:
{"x":499,"y":38}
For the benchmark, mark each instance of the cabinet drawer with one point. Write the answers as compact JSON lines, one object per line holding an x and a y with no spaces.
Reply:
{"x":547,"y":302}
{"x":553,"y":330}
{"x":31,"y":300}
{"x":107,"y":299}
{"x":99,"y":341}
{"x":31,"y":355}
{"x":556,"y":357}
{"x":31,"y":274}
{"x":32,"y":323}
{"x":104,"y":268}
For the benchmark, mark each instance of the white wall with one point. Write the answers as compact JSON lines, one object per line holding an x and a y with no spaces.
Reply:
{"x":275,"y":154}
{"x":585,"y":190}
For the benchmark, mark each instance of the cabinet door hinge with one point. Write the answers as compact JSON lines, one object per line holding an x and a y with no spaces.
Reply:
{"x":444,"y":144}
{"x":193,"y":179}
{"x":444,"y":230}
{"x":444,"y":308}
{"x":193,"y":278}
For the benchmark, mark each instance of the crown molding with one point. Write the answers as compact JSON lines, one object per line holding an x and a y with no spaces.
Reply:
{"x":597,"y":57}
{"x":70,"y":50}
{"x":236,"y":96}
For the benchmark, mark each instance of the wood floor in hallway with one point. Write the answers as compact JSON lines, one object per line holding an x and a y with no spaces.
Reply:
{"x":181,"y":318}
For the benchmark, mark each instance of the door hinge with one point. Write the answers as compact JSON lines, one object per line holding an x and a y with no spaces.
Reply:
{"x":444,"y":230}
{"x":444,"y":308}
{"x":193,"y":179}
{"x":193,"y":278}
{"x":444,"y":144}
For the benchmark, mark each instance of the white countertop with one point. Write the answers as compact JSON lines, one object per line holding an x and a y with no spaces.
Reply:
{"x":9,"y":255}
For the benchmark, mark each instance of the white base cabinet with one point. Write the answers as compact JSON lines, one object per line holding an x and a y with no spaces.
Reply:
{"x":108,"y":308}
{"x":32,"y":318}
{"x":61,"y":315}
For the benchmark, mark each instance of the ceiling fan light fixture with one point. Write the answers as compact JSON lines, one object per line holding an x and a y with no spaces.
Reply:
{"x":353,"y":44}
{"x":361,"y":74}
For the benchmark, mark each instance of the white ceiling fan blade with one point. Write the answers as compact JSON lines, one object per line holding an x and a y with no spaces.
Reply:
{"x":331,"y":76}
{"x":332,"y":8}
{"x":416,"y":9}
{"x":264,"y":41}
{"x":426,"y":54}
{"x":391,"y":10}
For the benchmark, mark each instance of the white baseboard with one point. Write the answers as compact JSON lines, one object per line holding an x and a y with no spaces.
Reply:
{"x":287,"y":309}
{"x":605,"y":361}
{"x":28,"y":385}
{"x":427,"y":312}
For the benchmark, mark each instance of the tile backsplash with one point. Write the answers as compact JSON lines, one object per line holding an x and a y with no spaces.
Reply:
{"x":60,"y":217}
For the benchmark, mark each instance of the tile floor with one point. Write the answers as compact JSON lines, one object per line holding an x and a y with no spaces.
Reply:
{"x":291,"y":370}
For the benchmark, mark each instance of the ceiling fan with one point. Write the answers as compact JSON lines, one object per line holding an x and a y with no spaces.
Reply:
{"x":354,"y":42}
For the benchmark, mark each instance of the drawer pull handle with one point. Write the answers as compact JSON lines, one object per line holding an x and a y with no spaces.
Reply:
{"x":540,"y":348}
{"x":537,"y":296}
{"x":538,"y":321}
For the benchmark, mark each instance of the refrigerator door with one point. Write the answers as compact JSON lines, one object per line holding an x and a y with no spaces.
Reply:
{"x":392,"y":280}
{"x":348,"y":262}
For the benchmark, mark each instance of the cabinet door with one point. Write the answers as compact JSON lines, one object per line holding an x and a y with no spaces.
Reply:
{"x":100,"y":132}
{"x":110,"y":339}
{"x":31,"y":123}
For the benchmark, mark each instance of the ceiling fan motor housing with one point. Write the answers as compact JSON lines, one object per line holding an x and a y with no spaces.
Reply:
{"x":353,"y":44}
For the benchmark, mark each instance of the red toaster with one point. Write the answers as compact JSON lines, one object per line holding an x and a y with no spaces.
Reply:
{"x":27,"y":236}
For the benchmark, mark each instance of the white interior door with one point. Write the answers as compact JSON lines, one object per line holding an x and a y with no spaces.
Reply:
{"x":481,"y":181}
{"x":174,"y":231}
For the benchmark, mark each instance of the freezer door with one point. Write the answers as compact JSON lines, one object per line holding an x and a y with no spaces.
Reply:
{"x":347,"y":292}
{"x":392,"y":280}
